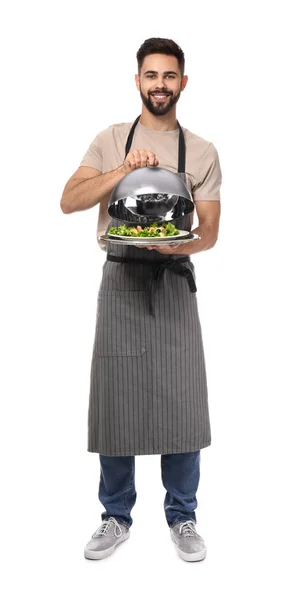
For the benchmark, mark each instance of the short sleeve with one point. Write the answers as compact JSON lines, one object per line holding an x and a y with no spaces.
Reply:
{"x":210,"y":176}
{"x":94,"y":155}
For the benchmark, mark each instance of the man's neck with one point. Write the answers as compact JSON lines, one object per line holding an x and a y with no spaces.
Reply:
{"x":166,"y":122}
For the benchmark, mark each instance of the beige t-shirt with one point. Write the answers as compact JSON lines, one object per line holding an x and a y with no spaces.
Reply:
{"x":203,"y":173}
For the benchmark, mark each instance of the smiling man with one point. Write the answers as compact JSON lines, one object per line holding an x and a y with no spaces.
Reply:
{"x":148,"y":387}
{"x":167,"y":85}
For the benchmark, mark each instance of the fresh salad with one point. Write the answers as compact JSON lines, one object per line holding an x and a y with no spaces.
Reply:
{"x":154,"y":230}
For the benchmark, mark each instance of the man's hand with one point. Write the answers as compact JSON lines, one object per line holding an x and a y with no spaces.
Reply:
{"x":209,"y":214}
{"x":138,"y":159}
{"x":187,"y":248}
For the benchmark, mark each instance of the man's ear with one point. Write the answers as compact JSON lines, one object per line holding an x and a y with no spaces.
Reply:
{"x":184,"y":82}
{"x":137,"y":80}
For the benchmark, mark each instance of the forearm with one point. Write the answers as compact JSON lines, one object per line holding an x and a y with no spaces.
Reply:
{"x":81,"y":194}
{"x":208,"y":234}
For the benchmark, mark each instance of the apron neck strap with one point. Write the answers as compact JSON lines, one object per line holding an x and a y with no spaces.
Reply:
{"x":181,"y":145}
{"x":181,"y":151}
{"x":130,"y":136}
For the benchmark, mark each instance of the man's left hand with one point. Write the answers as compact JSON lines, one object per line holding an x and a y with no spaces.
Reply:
{"x":187,"y":248}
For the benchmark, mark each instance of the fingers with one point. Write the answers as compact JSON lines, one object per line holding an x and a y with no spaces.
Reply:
{"x":152,"y":159}
{"x":162,"y":249}
{"x":165,"y":249}
{"x":138,"y":159}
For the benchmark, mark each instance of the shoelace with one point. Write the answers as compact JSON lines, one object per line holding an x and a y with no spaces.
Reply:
{"x":187,"y":528}
{"x":104,"y":527}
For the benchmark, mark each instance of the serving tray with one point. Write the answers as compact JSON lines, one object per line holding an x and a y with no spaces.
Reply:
{"x":150,"y":241}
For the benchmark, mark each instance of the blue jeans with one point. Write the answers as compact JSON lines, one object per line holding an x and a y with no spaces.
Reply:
{"x":180,"y":476}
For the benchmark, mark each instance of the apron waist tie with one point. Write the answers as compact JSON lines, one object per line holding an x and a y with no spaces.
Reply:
{"x":176,"y":265}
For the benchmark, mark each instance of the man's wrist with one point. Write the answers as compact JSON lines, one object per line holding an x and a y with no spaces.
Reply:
{"x":121,"y":169}
{"x":207,"y":240}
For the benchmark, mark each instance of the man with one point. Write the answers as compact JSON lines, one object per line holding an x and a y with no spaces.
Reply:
{"x":148,"y":392}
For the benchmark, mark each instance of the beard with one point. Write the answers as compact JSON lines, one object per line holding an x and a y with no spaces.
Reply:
{"x":159,"y":108}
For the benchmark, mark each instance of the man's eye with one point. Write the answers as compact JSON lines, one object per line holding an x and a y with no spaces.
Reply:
{"x":152,"y":76}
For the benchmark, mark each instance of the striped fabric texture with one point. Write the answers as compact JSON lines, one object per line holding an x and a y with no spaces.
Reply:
{"x":148,"y":387}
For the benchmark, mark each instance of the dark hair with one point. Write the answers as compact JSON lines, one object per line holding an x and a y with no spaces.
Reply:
{"x":161,"y":46}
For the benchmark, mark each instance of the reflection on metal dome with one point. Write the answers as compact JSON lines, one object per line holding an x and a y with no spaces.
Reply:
{"x":148,"y":194}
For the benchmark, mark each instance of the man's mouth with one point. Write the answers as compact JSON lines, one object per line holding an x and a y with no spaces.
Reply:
{"x":159,"y":96}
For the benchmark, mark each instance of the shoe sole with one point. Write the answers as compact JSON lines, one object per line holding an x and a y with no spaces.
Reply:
{"x":188,"y":556}
{"x":98,"y":554}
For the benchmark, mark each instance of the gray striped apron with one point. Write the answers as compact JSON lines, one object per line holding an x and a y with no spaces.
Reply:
{"x":148,"y":387}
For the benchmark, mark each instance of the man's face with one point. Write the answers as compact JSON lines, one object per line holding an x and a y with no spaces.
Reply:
{"x":160,"y":83}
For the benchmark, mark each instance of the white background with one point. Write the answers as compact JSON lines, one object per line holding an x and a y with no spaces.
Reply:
{"x":68,"y":72}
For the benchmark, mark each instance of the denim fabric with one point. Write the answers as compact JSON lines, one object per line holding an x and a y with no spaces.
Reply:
{"x":180,"y":475}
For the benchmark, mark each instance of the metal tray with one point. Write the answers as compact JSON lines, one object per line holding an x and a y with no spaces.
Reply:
{"x":149,"y":241}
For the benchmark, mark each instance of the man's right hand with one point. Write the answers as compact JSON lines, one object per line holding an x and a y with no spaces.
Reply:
{"x":137,"y":159}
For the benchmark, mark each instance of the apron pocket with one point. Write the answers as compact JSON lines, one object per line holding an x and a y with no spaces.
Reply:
{"x":119,"y":326}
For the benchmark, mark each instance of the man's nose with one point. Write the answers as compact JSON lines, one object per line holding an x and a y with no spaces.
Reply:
{"x":160,"y":83}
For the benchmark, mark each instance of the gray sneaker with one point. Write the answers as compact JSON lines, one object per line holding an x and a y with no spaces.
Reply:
{"x":106,"y":538}
{"x":189,"y":544}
